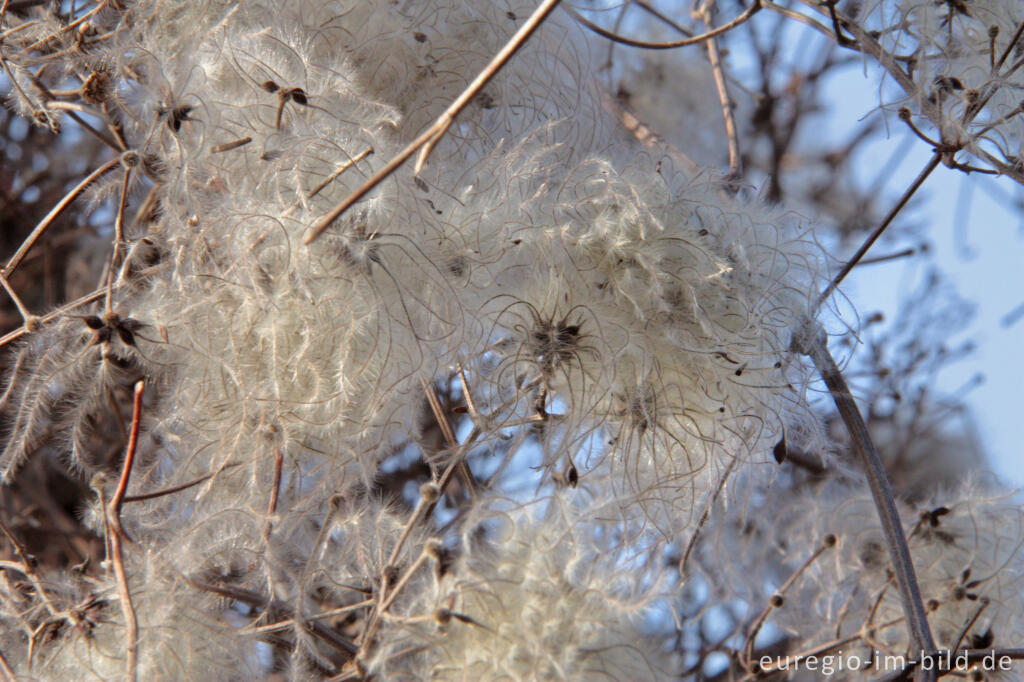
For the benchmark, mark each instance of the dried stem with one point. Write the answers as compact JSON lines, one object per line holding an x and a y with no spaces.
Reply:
{"x":468,"y":395}
{"x":429,"y":497}
{"x":970,"y":623}
{"x":275,"y":489}
{"x":446,"y":430}
{"x":70,"y":109}
{"x":119,"y":238}
{"x":341,"y":169}
{"x":1009,"y":46}
{"x":439,"y":415}
{"x":815,"y":345}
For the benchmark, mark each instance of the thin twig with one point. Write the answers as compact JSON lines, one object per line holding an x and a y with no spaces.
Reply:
{"x":449,"y":435}
{"x":322,"y":538}
{"x":55,"y":212}
{"x":178,"y":488}
{"x":385,"y":601}
{"x":69,"y":108}
{"x":119,"y":239}
{"x":717,"y":70}
{"x":906,"y":115}
{"x":932,"y":164}
{"x":470,"y":404}
{"x":341,"y":169}
{"x":646,"y":6}
{"x":619,"y":18}
{"x":1009,"y":46}
{"x":275,"y":489}
{"x":842,"y":40}
{"x":429,"y":137}
{"x":402,"y":582}
{"x":724,"y":28}
{"x":430,"y":494}
{"x":797,"y":16}
{"x":970,"y":623}
{"x":892,"y":256}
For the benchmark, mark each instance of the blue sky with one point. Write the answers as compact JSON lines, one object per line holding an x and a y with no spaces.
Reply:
{"x":975,"y":228}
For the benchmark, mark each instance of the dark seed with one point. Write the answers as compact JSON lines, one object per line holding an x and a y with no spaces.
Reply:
{"x":126,"y":336}
{"x":780,"y":451}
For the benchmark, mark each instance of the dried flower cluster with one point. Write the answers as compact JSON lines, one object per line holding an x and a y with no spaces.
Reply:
{"x":476,"y":429}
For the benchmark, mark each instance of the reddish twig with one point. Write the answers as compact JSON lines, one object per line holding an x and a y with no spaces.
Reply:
{"x":114,"y":506}
{"x":117,"y":534}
